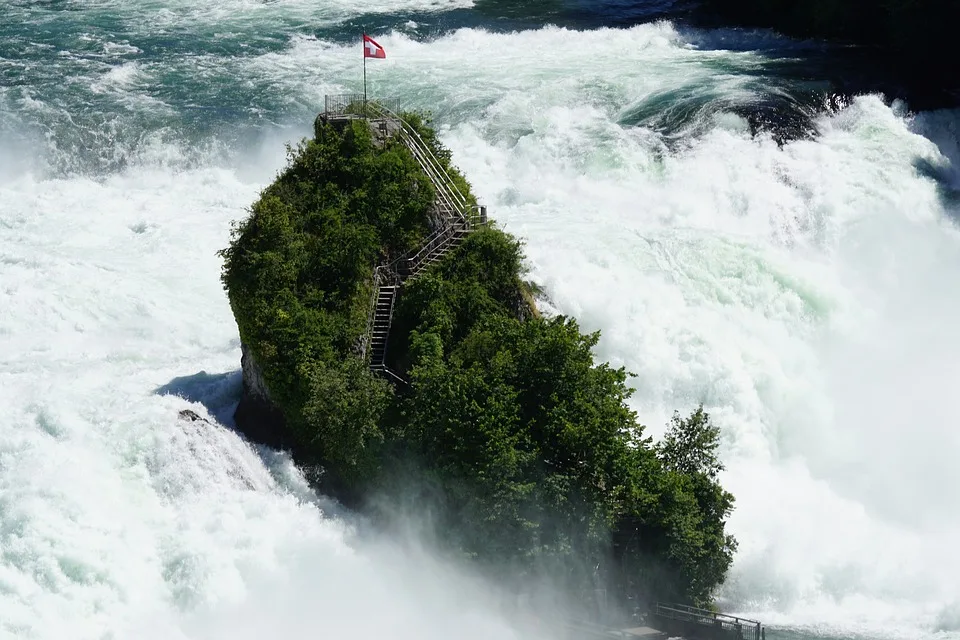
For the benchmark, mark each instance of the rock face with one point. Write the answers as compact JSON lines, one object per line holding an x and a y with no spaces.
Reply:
{"x":192,"y":416}
{"x":257,"y":417}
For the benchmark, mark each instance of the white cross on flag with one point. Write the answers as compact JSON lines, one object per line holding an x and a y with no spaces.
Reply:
{"x":371,"y":49}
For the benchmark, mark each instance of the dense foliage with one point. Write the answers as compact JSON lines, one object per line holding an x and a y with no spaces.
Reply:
{"x":298,"y":274}
{"x":508,"y":427}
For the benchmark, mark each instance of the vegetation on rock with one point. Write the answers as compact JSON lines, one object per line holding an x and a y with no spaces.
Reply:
{"x":508,"y":424}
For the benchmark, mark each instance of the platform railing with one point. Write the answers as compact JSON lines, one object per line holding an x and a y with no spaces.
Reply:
{"x":733,"y":625}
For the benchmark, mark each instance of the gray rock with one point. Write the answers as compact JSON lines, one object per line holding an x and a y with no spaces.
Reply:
{"x":257,"y":416}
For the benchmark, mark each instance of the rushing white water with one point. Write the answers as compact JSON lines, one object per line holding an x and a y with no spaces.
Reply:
{"x":803,"y":293}
{"x":118,"y":520}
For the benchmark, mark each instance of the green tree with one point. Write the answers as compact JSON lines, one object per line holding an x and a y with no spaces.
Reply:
{"x":704,"y":550}
{"x":690,"y":446}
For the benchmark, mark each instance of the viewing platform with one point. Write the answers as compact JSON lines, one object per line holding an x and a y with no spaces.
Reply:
{"x":692,"y":623}
{"x":666,"y":621}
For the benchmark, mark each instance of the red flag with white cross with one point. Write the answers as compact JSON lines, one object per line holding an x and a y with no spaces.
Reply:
{"x":371,"y":49}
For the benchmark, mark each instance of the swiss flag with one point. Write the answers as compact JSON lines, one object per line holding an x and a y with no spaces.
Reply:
{"x":371,"y":49}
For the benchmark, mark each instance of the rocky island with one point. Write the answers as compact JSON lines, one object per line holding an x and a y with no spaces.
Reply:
{"x":495,"y":418}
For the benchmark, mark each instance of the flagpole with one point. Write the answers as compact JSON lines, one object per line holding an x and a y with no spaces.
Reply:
{"x":363,"y":51}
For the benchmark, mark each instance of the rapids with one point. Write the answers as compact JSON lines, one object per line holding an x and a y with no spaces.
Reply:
{"x":802,"y":289}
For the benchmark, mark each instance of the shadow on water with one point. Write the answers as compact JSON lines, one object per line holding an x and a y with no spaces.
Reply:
{"x":501,"y":16}
{"x":785,"y":113}
{"x":948,"y":186}
{"x":793,"y":82}
{"x":942,"y":128}
{"x":219,"y":393}
{"x":93,"y":131}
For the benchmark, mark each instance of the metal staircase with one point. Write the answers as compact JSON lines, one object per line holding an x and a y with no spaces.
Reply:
{"x":435,"y":247}
{"x":380,"y":331}
{"x":459,"y":218}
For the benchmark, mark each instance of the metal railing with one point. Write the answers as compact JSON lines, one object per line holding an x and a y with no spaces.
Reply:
{"x":450,"y":200}
{"x":459,"y":214}
{"x":355,"y":104}
{"x":383,"y":275}
{"x":449,"y":193}
{"x":738,"y":627}
{"x":438,"y":240}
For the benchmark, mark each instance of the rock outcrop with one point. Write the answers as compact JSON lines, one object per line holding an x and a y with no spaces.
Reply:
{"x":257,"y":416}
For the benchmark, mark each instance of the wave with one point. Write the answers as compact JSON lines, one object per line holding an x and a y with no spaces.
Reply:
{"x":799,"y":288}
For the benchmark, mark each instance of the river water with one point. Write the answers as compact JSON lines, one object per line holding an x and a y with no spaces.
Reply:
{"x":741,"y":237}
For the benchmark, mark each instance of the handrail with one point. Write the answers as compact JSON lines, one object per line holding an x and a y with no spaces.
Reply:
{"x":413,"y":132}
{"x":454,"y":201}
{"x":371,"y":316}
{"x":382,"y":274}
{"x":434,"y":241}
{"x":448,"y":193}
{"x":430,"y":163}
{"x":457,"y":212}
{"x":342,"y":104}
{"x":688,"y":610}
{"x":705,"y":617}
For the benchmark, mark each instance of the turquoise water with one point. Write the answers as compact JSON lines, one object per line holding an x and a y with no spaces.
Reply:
{"x":741,"y":237}
{"x":95,"y":80}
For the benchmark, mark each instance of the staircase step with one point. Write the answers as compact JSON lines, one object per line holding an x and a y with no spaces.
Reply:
{"x":456,"y":227}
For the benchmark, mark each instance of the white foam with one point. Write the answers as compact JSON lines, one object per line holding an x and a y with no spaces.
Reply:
{"x":116,"y":518}
{"x":804,"y":293}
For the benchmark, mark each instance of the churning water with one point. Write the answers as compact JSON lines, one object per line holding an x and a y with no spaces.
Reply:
{"x":804,"y":292}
